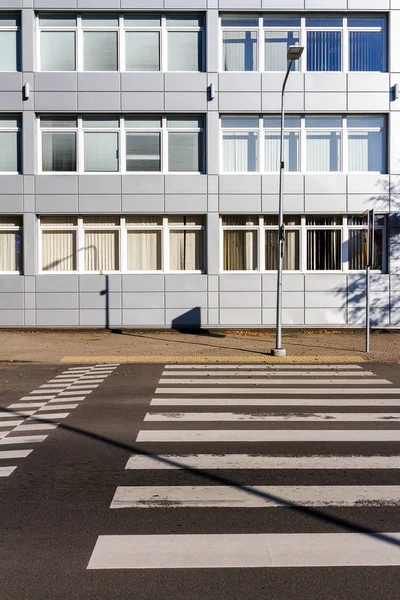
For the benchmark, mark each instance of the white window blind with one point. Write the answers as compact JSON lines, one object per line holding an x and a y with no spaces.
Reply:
{"x":10,"y":244}
{"x":101,"y":250}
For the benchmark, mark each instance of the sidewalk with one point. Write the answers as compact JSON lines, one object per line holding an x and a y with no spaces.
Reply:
{"x":208,"y":346}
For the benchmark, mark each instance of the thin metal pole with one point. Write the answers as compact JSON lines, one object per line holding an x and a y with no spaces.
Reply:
{"x":278,"y":350}
{"x":367,"y":309}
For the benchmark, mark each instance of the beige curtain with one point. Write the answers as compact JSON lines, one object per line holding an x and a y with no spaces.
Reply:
{"x":8,"y":256}
{"x":240,"y":250}
{"x":101,"y":251}
{"x":59,"y":251}
{"x":186,"y":250}
{"x":144,"y":250}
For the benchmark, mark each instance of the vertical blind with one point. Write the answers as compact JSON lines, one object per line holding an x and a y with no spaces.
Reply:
{"x":324,"y":51}
{"x":276,"y":47}
{"x":101,"y":251}
{"x":59,"y":151}
{"x":186,"y":250}
{"x":143,"y":152}
{"x":59,"y":251}
{"x":142,"y":50}
{"x":324,"y":250}
{"x":291,"y":255}
{"x":144,"y":250}
{"x":240,"y":151}
{"x":323,"y":151}
{"x":57,"y":50}
{"x":100,"y":51}
{"x":367,"y":50}
{"x":290,"y":148}
{"x":240,"y":50}
{"x":10,"y":251}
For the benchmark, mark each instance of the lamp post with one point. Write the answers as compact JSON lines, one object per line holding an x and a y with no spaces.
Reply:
{"x":293,"y":54}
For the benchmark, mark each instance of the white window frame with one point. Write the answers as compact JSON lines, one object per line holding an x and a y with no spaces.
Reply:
{"x":17,"y":129}
{"x":303,"y":228}
{"x":14,"y":229}
{"x":303,"y":130}
{"x":123,"y":228}
{"x":302,"y":29}
{"x":121,"y":29}
{"x":16,"y":28}
{"x":122,"y":131}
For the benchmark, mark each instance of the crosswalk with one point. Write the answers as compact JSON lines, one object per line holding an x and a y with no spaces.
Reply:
{"x":192,"y":426}
{"x":21,"y":419}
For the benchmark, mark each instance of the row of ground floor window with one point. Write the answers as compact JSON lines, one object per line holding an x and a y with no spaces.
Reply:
{"x":177,"y":243}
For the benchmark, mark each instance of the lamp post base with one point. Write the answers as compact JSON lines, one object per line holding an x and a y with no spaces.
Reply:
{"x":278,"y":352}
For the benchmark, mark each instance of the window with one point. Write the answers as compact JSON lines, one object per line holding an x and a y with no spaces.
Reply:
{"x":10,"y":128}
{"x":312,"y":144}
{"x":9,"y":42}
{"x":311,"y":243}
{"x":107,"y":42}
{"x":10,"y":244}
{"x":109,"y":144}
{"x":333,"y":43}
{"x":135,"y":243}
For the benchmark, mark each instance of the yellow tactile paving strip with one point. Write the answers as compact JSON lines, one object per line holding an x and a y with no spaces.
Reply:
{"x":213,"y":359}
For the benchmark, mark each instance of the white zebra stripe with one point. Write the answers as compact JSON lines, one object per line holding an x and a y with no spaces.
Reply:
{"x":217,"y":551}
{"x":262,"y":367}
{"x":284,"y":417}
{"x":266,"y":381}
{"x":212,"y":496}
{"x":298,"y":402}
{"x":251,"y":461}
{"x":252,"y":373}
{"x":27,"y":439}
{"x":6,"y":471}
{"x":287,"y":391}
{"x":269,"y":435}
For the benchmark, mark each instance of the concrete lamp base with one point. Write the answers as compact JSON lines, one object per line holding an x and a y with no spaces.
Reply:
{"x":278,"y":352}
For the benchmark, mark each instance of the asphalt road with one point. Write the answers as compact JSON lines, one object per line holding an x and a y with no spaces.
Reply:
{"x":56,"y":503}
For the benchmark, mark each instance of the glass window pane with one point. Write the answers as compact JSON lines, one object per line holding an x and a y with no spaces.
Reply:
{"x":184,"y":51}
{"x":282,"y":22}
{"x":238,"y":220}
{"x":367,"y":151}
{"x":291,"y":256}
{"x":9,"y":151}
{"x":59,"y":221}
{"x":101,"y":250}
{"x":366,"y":122}
{"x":378,"y":250}
{"x":143,"y":152}
{"x":144,"y":250}
{"x":101,"y":152}
{"x":366,"y":22}
{"x":57,"y":50}
{"x":324,"y":252}
{"x":57,"y":122}
{"x":59,"y":250}
{"x":240,"y":50}
{"x":142,"y":50}
{"x":104,"y":221}
{"x":276,"y":47}
{"x":240,"y":150}
{"x":240,"y":250}
{"x":355,"y":250}
{"x":275,"y":122}
{"x":57,"y":21}
{"x":144,"y":220}
{"x":186,"y":220}
{"x":185,"y":122}
{"x":324,"y":150}
{"x":324,"y":22}
{"x":10,"y":221}
{"x":324,"y":51}
{"x":142,"y":123}
{"x":324,"y":220}
{"x":242,"y":21}
{"x":10,"y":251}
{"x":272,"y":151}
{"x":9,"y":50}
{"x":59,"y":151}
{"x":100,"y":21}
{"x":185,"y":151}
{"x":186,"y":250}
{"x":367,"y":50}
{"x":184,"y":21}
{"x":239,"y":122}
{"x":100,"y":122}
{"x":142,"y":21}
{"x":323,"y":121}
{"x":100,"y":52}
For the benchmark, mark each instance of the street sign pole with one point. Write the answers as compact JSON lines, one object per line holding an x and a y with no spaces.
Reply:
{"x":368,"y":254}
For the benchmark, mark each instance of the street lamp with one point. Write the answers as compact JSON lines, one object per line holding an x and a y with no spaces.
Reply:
{"x":293,"y":54}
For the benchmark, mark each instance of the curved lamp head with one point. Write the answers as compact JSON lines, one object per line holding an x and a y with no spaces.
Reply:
{"x":294,"y":52}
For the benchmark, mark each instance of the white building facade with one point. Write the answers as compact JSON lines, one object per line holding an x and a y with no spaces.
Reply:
{"x":139,"y":144}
